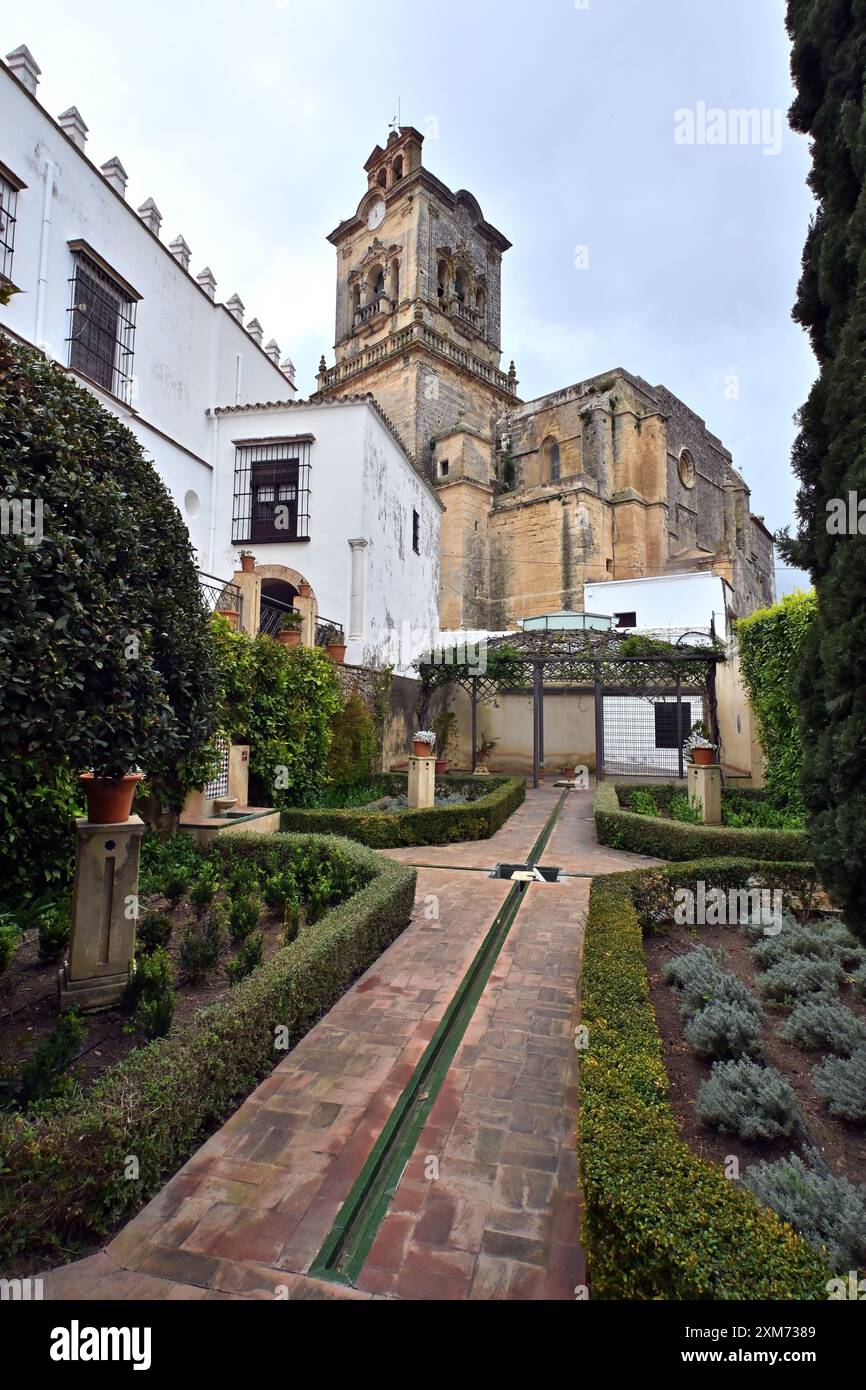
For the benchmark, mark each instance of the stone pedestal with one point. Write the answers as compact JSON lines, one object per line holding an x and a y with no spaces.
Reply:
{"x":239,"y":773}
{"x":250,"y":586}
{"x":705,"y":788}
{"x":422,"y":782}
{"x":104,"y":912}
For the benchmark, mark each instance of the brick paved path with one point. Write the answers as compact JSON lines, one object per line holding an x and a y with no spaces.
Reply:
{"x":487,"y":1206}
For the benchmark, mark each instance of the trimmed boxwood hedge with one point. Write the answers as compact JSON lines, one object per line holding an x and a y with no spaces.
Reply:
{"x":660,"y":1222}
{"x":671,"y":839}
{"x":63,"y":1169}
{"x":437,"y":825}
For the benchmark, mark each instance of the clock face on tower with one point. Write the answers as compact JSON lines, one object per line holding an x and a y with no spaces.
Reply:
{"x":375,"y":215}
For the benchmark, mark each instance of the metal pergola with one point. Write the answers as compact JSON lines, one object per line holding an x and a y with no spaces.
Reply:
{"x":603,"y":663}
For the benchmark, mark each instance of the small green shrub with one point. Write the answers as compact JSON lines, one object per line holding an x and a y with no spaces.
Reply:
{"x":279,"y":889}
{"x":724,"y":1029}
{"x":673,"y":839}
{"x":54,"y":928}
{"x":756,"y":813}
{"x":154,"y":930}
{"x":151,"y":994}
{"x":176,"y":885}
{"x":244,"y":913}
{"x":248,"y":959}
{"x":164,"y":855}
{"x":643,"y":803}
{"x":243,"y":878}
{"x":823,"y":1023}
{"x":682,"y":810}
{"x":44,"y":1077}
{"x":798,"y":975}
{"x":9,"y":941}
{"x":201,"y":945}
{"x":293,"y":924}
{"x":204,"y":890}
{"x":841,"y":1084}
{"x":827,"y":1211}
{"x":747,"y":1099}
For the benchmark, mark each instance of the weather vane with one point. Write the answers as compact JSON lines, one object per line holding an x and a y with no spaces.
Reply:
{"x":395,"y":124}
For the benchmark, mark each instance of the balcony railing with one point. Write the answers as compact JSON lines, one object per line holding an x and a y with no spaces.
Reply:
{"x":325,"y":630}
{"x":221,"y":595}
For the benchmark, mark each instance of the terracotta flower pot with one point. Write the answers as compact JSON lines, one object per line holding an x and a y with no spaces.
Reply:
{"x":290,"y":637}
{"x":248,"y":563}
{"x":109,"y":799}
{"x":441,"y":766}
{"x":304,"y":589}
{"x":421,"y":749}
{"x":337,"y":652}
{"x":703,"y":757}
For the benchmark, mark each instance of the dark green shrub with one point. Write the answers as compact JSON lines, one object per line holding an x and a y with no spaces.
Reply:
{"x":352,"y":754}
{"x":10,"y":938}
{"x":64,"y":1178}
{"x":54,"y":929}
{"x":242,"y":880}
{"x":293,"y":923}
{"x":163,"y":855}
{"x":798,"y":975}
{"x":201,"y":945}
{"x":279,"y":890}
{"x":248,"y":959}
{"x":107,"y":660}
{"x":672,"y":839}
{"x":823,"y":1023}
{"x":204,"y":890}
{"x":38,"y":806}
{"x":176,"y":885}
{"x":643,"y":803}
{"x":841,"y":1084}
{"x":747,"y":1099}
{"x":724,"y":1029}
{"x":244,"y":913}
{"x":151,"y":994}
{"x":858,"y":981}
{"x":660,"y":1222}
{"x":771,"y":644}
{"x":437,"y":825}
{"x":154,"y":930}
{"x":44,"y":1076}
{"x":755,"y":812}
{"x":829,"y":1212}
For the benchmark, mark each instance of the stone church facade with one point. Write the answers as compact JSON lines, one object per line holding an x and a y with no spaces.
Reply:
{"x":610,"y":478}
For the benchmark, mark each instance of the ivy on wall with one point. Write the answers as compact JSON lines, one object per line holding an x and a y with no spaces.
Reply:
{"x":771,"y":651}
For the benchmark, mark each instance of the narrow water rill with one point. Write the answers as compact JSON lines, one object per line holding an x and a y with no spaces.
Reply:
{"x":347,"y":1245}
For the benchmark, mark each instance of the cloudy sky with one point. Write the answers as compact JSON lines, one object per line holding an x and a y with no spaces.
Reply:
{"x":637,"y":242}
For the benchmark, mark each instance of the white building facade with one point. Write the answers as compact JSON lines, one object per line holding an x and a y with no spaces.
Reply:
{"x":97,"y":289}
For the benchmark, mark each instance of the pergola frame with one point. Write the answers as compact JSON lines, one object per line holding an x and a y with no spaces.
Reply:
{"x":588,"y":662}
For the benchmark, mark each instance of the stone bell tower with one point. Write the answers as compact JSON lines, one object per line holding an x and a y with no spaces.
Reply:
{"x":418,"y":327}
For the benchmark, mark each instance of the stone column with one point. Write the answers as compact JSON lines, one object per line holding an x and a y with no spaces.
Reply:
{"x":422,"y":783}
{"x":705,"y":790}
{"x":104,"y":912}
{"x":356,"y":611}
{"x":250,"y":586}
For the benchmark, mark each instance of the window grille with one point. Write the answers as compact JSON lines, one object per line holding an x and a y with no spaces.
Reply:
{"x":272,"y":491}
{"x":8,"y":210}
{"x":101,"y":328}
{"x":416,"y":532}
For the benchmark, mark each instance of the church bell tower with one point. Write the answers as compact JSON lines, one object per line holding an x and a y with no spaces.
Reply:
{"x":418,"y":323}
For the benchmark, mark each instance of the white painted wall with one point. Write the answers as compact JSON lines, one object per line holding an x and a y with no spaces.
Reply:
{"x":190,"y":353}
{"x":362,"y":488}
{"x":676,"y":601}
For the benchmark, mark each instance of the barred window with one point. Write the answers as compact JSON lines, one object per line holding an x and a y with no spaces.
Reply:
{"x":101,"y":327}
{"x":8,"y":210}
{"x":272,"y":490}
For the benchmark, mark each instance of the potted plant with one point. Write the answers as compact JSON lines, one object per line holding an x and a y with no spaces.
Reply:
{"x":305,"y":589}
{"x":423,"y":743}
{"x":335,"y":644}
{"x":109,"y":794}
{"x":290,"y":629}
{"x":445,"y":728}
{"x":699,"y":749}
{"x":486,"y":748}
{"x":248,"y":561}
{"x":227,"y":606}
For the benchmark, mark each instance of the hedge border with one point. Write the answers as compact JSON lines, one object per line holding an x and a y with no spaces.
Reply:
{"x":670,"y":839}
{"x":436,"y":825}
{"x":660,"y":1222}
{"x":62,"y":1170}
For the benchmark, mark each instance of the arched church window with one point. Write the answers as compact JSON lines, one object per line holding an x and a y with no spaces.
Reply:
{"x":550,"y":460}
{"x":442,"y":277}
{"x":383,"y":178}
{"x":376,"y":280}
{"x":460,"y":286}
{"x":398,"y":168}
{"x":394,"y":288}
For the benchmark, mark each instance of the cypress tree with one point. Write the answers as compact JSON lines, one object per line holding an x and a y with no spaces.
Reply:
{"x":829,"y":459}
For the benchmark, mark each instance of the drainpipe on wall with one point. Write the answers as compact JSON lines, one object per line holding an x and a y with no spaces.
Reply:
{"x":44,"y":237}
{"x":214,"y":488}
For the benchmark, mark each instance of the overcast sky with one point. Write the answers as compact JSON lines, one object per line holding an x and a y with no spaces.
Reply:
{"x":249,"y":125}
